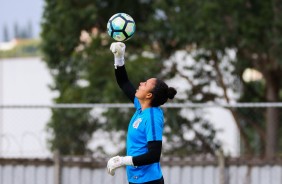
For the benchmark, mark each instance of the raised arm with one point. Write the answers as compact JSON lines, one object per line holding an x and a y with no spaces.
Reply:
{"x":124,"y":83}
{"x":118,"y":49}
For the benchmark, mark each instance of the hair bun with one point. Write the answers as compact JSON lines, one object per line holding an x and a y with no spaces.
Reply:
{"x":171,"y":92}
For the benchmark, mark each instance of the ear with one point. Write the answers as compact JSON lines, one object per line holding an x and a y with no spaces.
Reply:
{"x":149,"y":95}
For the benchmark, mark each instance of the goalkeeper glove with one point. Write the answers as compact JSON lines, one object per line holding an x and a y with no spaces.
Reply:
{"x":118,"y":49}
{"x":116,"y":162}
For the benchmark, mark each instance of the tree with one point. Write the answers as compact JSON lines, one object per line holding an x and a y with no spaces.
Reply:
{"x":16,"y":30}
{"x":29,"y":29}
{"x":63,"y":23}
{"x":6,"y":34}
{"x":252,"y":28}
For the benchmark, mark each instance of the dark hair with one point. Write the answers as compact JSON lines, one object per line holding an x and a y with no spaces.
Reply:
{"x":161,"y":93}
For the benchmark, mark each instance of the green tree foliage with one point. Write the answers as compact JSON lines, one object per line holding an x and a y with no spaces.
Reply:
{"x":251,"y":28}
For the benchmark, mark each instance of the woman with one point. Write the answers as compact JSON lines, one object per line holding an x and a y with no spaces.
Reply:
{"x":144,"y":137}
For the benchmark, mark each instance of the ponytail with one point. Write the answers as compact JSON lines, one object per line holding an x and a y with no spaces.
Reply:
{"x":161,"y":93}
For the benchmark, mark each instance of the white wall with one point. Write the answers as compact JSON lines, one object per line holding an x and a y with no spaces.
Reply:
{"x":24,"y":81}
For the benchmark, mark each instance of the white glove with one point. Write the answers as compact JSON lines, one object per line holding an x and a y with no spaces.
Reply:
{"x":118,"y":49}
{"x":116,"y":162}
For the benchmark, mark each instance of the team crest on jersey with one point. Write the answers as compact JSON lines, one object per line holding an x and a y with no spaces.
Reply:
{"x":137,"y":122}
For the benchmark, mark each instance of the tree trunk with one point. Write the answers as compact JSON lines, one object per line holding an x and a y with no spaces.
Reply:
{"x":243,"y":135}
{"x":272,"y":117}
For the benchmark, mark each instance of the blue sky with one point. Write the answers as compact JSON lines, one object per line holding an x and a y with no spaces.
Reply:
{"x":20,"y":12}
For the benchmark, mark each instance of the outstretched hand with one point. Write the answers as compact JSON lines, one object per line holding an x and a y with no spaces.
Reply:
{"x":118,"y":49}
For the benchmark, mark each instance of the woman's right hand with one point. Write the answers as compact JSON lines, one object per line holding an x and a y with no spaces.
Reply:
{"x":118,"y":49}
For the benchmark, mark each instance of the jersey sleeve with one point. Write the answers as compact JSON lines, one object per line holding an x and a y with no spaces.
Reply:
{"x":124,"y":83}
{"x":154,"y":125}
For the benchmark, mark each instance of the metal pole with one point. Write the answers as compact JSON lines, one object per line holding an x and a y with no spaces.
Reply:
{"x":1,"y":102}
{"x":57,"y":168}
{"x":221,"y":166}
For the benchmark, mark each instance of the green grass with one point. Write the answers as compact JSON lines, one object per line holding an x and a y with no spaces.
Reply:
{"x":24,"y":48}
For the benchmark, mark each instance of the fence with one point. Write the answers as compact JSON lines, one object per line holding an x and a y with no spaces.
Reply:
{"x":30,"y":142}
{"x":175,"y":170}
{"x":23,"y":127}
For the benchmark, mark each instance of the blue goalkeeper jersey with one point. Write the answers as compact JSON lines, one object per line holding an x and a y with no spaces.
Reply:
{"x":144,"y":126}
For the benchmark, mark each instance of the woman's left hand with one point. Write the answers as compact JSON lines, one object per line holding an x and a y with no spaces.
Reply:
{"x":116,"y":162}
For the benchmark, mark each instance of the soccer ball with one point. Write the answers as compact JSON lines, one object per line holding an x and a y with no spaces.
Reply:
{"x":121,"y":27}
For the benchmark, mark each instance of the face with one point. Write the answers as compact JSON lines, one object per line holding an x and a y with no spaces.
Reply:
{"x":145,"y":88}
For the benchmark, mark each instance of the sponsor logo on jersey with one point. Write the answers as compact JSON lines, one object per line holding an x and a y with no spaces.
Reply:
{"x":137,"y":122}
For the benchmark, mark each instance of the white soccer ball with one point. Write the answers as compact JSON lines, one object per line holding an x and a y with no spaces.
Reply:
{"x":121,"y":27}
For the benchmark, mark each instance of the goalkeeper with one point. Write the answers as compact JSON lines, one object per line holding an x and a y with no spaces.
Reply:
{"x":144,"y":137}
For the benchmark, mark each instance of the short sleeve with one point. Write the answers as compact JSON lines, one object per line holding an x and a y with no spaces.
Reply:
{"x":154,"y":125}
